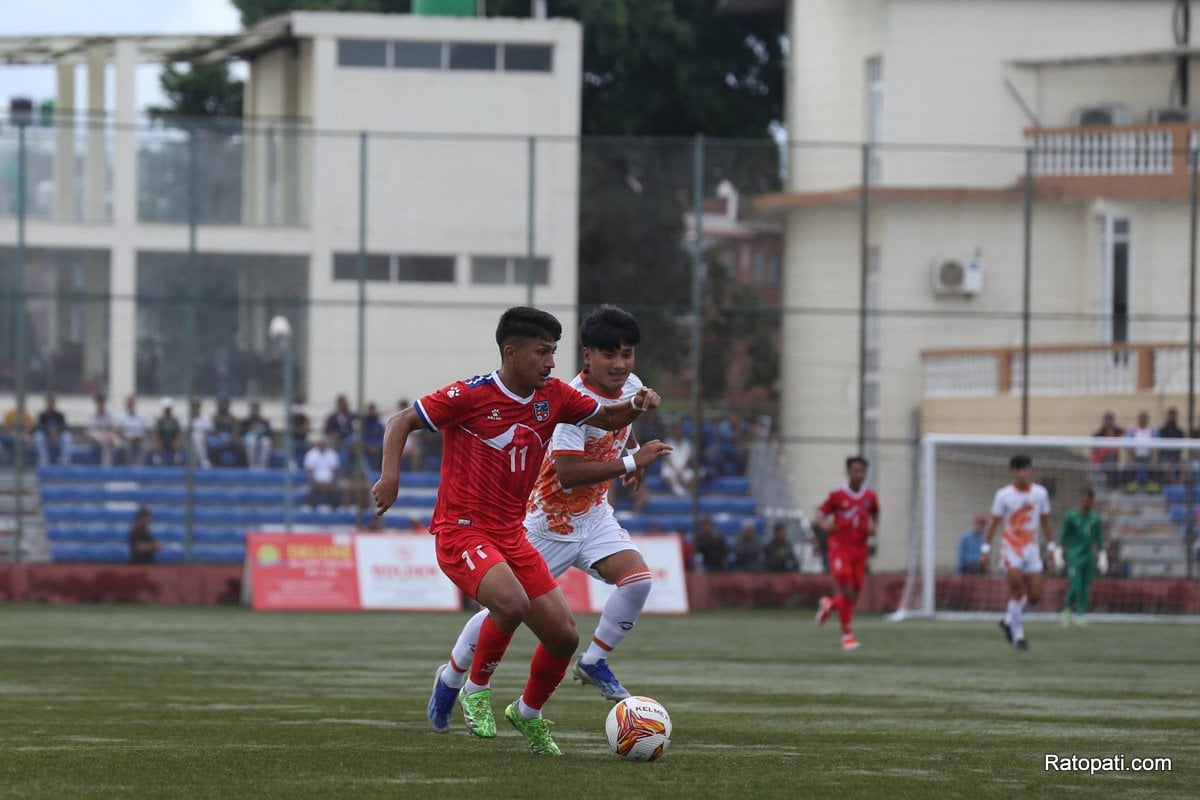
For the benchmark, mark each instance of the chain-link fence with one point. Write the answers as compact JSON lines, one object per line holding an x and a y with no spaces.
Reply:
{"x":798,"y":302}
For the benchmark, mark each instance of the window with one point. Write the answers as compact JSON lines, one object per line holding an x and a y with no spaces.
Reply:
{"x":425,"y":269}
{"x":417,"y":55}
{"x":362,"y":53}
{"x":345,"y":267}
{"x":472,"y":55}
{"x":500,"y":270}
{"x":1115,"y":254}
{"x":874,"y":115}
{"x":528,"y":58}
{"x":487,"y":269}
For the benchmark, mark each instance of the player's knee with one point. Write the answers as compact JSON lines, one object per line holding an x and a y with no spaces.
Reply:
{"x":509,"y":610}
{"x":562,"y":639}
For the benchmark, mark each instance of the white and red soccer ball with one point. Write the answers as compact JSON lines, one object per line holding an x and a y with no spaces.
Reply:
{"x":639,"y":729}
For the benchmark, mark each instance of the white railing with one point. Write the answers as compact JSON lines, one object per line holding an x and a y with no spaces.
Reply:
{"x":1058,"y":370}
{"x":1103,"y":151}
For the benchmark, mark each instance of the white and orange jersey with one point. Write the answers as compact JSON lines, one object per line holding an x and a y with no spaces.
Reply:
{"x":566,"y":514}
{"x":1022,"y":512}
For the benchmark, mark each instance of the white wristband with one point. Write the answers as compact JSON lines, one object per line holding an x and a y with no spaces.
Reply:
{"x":633,"y":403}
{"x":630,"y":464}
{"x":985,"y":548}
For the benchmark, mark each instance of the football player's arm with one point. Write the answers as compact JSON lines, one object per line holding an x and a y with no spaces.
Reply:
{"x":574,"y":471}
{"x":615,"y":416}
{"x":395,"y":435}
{"x":985,"y":552}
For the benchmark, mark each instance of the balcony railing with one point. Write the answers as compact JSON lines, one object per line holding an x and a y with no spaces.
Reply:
{"x":1149,"y":160}
{"x":1057,"y":370}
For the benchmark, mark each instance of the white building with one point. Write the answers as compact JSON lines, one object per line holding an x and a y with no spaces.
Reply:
{"x":442,"y":115}
{"x":936,"y":101}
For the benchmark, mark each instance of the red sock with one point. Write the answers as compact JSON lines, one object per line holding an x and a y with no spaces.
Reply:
{"x":489,"y":649}
{"x":845,"y":609}
{"x":545,"y":674}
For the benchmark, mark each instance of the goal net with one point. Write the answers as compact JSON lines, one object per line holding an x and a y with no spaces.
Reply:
{"x":1147,"y":499}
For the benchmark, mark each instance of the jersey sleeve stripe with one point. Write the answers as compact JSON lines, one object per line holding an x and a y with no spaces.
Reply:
{"x":424,"y":417}
{"x":595,"y":410}
{"x":568,"y":452}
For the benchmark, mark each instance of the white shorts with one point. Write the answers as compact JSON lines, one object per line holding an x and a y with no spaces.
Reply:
{"x":603,"y":539}
{"x":1028,"y":559}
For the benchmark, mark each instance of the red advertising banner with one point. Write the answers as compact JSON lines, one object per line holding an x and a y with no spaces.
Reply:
{"x":302,"y":571}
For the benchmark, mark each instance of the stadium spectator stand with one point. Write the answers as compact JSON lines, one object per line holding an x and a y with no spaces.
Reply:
{"x":88,"y":509}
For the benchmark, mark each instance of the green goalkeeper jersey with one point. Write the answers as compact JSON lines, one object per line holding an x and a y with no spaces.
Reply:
{"x":1080,"y":536}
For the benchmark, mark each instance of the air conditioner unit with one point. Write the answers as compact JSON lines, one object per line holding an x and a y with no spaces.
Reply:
{"x":1161,"y":116}
{"x":1111,"y":114}
{"x":957,"y":276}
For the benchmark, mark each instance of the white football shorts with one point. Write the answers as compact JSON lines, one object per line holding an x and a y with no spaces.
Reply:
{"x":1028,"y":559}
{"x":604,"y":538}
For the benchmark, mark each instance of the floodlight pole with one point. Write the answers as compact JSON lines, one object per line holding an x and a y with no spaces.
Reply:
{"x":1026,"y":290}
{"x":19,"y":341}
{"x":280,"y":329}
{"x":1189,"y":546}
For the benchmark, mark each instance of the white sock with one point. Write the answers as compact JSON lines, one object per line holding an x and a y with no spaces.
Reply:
{"x":525,"y":711}
{"x":472,"y":687}
{"x":621,"y":612}
{"x":464,"y":650}
{"x":1014,"y":615}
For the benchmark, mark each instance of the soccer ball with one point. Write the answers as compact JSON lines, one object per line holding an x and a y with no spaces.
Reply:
{"x":639,"y":729}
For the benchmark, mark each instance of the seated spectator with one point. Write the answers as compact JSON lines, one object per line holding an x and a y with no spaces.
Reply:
{"x":970,"y":549}
{"x":142,"y":544}
{"x":224,"y":443}
{"x":1171,"y":460}
{"x":14,"y":435}
{"x":711,"y":547}
{"x":202,"y":428}
{"x":1105,"y":459}
{"x":51,"y":435}
{"x":131,"y":428}
{"x":323,"y":467}
{"x":257,"y":438}
{"x":102,"y":429}
{"x":677,"y":468}
{"x":372,"y":433}
{"x":168,"y":436}
{"x":779,"y":555}
{"x":1139,"y":474}
{"x":748,"y":550}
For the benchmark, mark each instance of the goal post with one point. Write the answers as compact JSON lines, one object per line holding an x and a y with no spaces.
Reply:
{"x":1146,"y":492}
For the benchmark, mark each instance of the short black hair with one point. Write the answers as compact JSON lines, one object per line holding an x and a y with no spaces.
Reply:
{"x":1020,"y":461}
{"x":609,"y":327}
{"x":852,"y":460}
{"x":523,"y":322}
{"x":1089,"y":491}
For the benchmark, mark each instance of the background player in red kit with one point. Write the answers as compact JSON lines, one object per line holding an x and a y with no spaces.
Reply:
{"x":496,"y":428}
{"x":848,"y":515}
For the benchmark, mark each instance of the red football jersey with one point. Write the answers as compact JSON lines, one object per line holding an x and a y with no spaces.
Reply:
{"x":852,"y":511}
{"x":492,"y":447}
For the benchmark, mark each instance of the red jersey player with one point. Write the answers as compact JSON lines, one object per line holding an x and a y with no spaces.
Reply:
{"x":848,"y":515}
{"x":496,"y":428}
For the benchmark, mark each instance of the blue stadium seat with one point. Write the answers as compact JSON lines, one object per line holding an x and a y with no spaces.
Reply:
{"x":218,"y":554}
{"x":743,"y":506}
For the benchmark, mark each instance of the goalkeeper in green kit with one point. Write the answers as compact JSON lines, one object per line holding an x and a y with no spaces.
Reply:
{"x":1082,"y":541}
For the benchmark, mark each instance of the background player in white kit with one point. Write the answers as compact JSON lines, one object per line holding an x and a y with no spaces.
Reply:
{"x":569,"y":518}
{"x":1023,"y":507}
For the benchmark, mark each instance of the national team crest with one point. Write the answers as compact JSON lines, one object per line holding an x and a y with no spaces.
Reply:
{"x":541,"y":410}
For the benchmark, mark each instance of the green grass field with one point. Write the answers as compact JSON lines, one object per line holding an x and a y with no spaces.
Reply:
{"x":140,"y":702}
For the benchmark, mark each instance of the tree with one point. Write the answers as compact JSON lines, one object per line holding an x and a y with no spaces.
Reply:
{"x":673,"y":67}
{"x":202,"y":90}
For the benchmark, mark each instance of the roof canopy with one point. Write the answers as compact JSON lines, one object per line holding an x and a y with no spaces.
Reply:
{"x":168,"y":48}
{"x":1101,"y":59}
